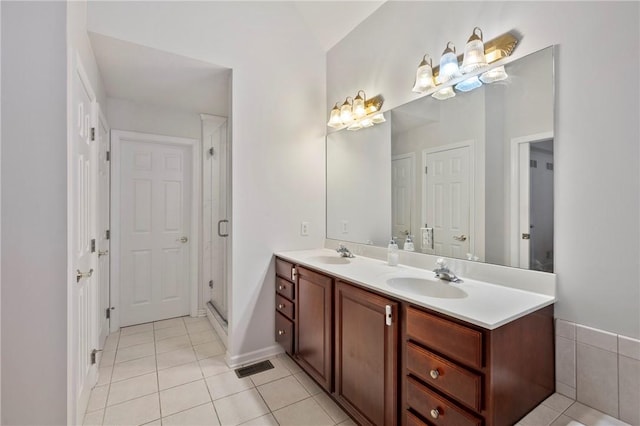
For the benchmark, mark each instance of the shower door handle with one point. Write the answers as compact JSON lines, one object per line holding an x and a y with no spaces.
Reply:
{"x":220,"y":222}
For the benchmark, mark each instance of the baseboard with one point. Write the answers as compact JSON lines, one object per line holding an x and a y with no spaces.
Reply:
{"x":220,"y":330}
{"x":255,"y":356}
{"x":202,"y":312}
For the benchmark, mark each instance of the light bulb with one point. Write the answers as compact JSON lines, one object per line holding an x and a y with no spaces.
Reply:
{"x":474,"y":57}
{"x":448,"y":65}
{"x":334,"y":118}
{"x":358,"y":105}
{"x":346,"y":113}
{"x":424,"y":76}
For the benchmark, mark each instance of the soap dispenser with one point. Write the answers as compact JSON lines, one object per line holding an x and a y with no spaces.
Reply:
{"x":408,"y":244}
{"x":392,"y":253}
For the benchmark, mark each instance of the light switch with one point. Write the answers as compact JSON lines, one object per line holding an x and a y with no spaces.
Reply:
{"x":304,"y":229}
{"x":345,"y":227}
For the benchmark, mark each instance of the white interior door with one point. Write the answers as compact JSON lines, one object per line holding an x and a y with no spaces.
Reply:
{"x":447,"y":199}
{"x":83,"y":325}
{"x":541,"y":206}
{"x":402,"y":178}
{"x":155,"y":195}
{"x":524,"y":182}
{"x":103,"y":246}
{"x":215,"y":210}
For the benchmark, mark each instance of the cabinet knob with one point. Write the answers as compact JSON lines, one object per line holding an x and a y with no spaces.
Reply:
{"x":280,"y":306}
{"x":435,"y":413}
{"x":280,"y":287}
{"x":281,"y":332}
{"x":434,"y":373}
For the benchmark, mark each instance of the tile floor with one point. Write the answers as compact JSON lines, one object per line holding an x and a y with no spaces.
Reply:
{"x":173,"y":372}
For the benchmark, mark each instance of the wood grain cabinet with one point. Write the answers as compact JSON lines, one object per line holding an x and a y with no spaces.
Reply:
{"x":285,"y":304}
{"x":366,"y":337}
{"x":314,"y":325}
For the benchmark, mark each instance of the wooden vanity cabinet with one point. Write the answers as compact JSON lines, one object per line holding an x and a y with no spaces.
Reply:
{"x":366,"y":359}
{"x":285,"y":304}
{"x":314,"y":325}
{"x":459,"y":374}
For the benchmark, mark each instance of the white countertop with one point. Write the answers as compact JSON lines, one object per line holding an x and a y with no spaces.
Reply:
{"x":486,"y":305}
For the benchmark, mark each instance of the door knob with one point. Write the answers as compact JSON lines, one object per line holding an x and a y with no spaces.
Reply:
{"x":80,"y":275}
{"x":182,"y":240}
{"x":103,"y":253}
{"x":460,"y":237}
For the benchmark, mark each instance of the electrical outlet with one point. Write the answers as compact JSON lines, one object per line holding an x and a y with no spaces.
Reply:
{"x":345,"y":227}
{"x":304,"y":229}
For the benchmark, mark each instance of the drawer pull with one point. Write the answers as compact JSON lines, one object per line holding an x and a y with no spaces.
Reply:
{"x":280,"y":287}
{"x":435,"y":413}
{"x":281,"y":332}
{"x":434,"y":373}
{"x":280,"y":306}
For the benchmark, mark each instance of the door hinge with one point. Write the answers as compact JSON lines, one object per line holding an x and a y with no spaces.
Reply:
{"x":108,"y":155}
{"x":211,"y":151}
{"x":387,"y":315}
{"x":107,"y":234}
{"x":108,"y":313}
{"x":93,"y":245}
{"x":94,"y":355}
{"x":210,"y":283}
{"x":426,"y":170}
{"x":93,"y":133}
{"x":526,"y":236}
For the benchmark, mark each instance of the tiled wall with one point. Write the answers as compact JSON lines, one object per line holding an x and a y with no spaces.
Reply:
{"x":599,"y":369}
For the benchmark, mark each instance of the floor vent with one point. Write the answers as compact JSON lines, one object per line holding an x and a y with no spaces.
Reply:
{"x":253,"y":369}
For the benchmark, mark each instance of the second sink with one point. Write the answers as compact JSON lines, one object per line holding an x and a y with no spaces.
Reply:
{"x":427,"y":287}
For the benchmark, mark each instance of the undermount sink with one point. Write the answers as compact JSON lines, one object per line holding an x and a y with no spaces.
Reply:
{"x":331,"y":260}
{"x":427,"y":287}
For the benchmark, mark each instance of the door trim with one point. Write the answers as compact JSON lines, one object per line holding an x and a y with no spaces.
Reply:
{"x":476,"y":243}
{"x":514,"y":191}
{"x":194,"y":239}
{"x":412,"y":179}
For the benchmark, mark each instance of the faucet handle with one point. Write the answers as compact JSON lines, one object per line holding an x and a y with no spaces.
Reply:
{"x":441,"y":263}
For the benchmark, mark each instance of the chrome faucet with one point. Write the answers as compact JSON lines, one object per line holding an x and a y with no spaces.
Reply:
{"x":444,"y":273}
{"x":344,"y":251}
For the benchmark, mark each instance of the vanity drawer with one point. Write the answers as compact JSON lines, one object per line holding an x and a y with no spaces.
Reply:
{"x":285,"y":288}
{"x":284,"y":333}
{"x":284,"y":306}
{"x":453,"y":340}
{"x":450,"y":378}
{"x":285,"y":269}
{"x":412,"y":420}
{"x":437,"y":409}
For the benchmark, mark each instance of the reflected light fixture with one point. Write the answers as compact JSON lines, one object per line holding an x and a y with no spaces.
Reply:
{"x":424,"y":76}
{"x":357,"y":113}
{"x":441,"y":80}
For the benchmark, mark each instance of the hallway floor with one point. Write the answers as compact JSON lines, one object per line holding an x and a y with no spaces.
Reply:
{"x":173,"y":372}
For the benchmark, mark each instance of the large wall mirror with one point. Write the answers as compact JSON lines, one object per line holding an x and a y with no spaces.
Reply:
{"x":469,"y":177}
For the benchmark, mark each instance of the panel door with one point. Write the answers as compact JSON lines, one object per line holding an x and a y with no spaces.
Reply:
{"x":155,"y":212}
{"x":313,"y":315}
{"x":401,"y":195}
{"x":102,"y":238}
{"x":366,"y":355}
{"x":447,"y":201}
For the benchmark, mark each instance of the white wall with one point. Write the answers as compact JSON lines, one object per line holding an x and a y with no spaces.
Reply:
{"x":596,"y":151}
{"x":128,"y":115}
{"x":278,"y":122}
{"x":34,"y":213}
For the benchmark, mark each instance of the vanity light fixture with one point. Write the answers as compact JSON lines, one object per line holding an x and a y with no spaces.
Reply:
{"x":357,"y":113}
{"x":440,"y":81}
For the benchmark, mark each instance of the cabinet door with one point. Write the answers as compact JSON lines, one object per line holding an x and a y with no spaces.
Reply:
{"x":314,"y":325}
{"x":366,"y":355}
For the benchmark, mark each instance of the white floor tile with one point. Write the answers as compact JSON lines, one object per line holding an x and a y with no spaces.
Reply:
{"x":348,"y":422}
{"x":207,"y":350}
{"x":289,"y":364}
{"x":107,"y":358}
{"x":213,"y":366}
{"x":112,"y":342}
{"x":331,"y":407}
{"x":135,"y":339}
{"x":165,"y":333}
{"x":540,"y":416}
{"x":240,"y":408}
{"x":197,"y":416}
{"x":168,"y":323}
{"x":135,"y":352}
{"x":157,"y":422}
{"x":266,"y":420}
{"x":94,"y":418}
{"x":179,"y":375}
{"x":183,"y":397}
{"x":172,"y":343}
{"x":134,"y":329}
{"x":591,"y":417}
{"x":282,"y":392}
{"x":191,"y":320}
{"x":565,"y":421}
{"x":558,"y":402}
{"x":226,"y":384}
{"x":104,"y":375}
{"x":307,"y":412}
{"x":203,"y":337}
{"x":134,"y":412}
{"x":199,"y":326}
{"x":137,"y":367}
{"x":278,"y":372}
{"x":178,"y":357}
{"x":312,"y":387}
{"x":98,"y":398}
{"x":132,"y":388}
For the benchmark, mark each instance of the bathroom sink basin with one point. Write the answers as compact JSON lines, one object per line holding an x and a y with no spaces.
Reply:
{"x":330,"y":260}
{"x":427,"y":287}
